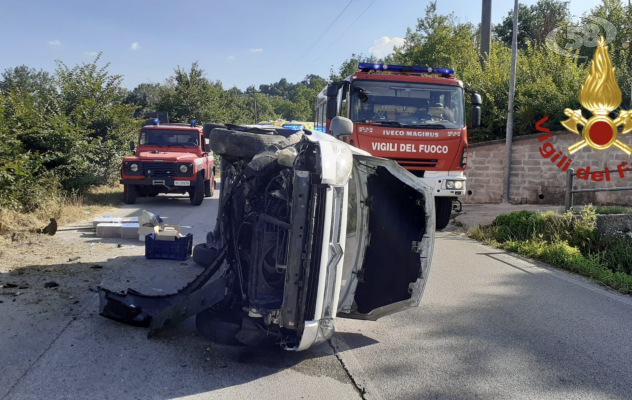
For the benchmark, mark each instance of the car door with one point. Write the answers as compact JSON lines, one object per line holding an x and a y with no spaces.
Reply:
{"x":389,"y":241}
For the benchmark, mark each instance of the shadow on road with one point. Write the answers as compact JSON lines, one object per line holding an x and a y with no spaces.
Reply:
{"x":493,"y":326}
{"x":80,"y":353}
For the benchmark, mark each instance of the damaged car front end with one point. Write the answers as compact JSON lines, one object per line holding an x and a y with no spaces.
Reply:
{"x":309,"y":229}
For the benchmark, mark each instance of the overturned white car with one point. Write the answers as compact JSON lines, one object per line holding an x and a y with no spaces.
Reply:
{"x":308,"y":229}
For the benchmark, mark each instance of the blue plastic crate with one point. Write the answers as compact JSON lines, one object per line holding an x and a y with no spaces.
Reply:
{"x":179,"y":249}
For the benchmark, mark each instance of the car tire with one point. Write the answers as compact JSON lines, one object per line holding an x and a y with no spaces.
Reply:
{"x":209,"y":187}
{"x":204,"y":255}
{"x":196,"y":196}
{"x":242,"y":144}
{"x":130,"y":192}
{"x":217,"y":327}
{"x":443,"y":210}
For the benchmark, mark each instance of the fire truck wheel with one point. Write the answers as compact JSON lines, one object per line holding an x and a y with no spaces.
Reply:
{"x":242,"y":144}
{"x":129,"y":194}
{"x":209,"y":187}
{"x":443,"y":208}
{"x":197,"y":194}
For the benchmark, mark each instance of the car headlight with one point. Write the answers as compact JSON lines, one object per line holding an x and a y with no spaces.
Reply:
{"x":449,"y":184}
{"x":458,"y":185}
{"x":337,"y":162}
{"x":133,"y":167}
{"x":183,"y":168}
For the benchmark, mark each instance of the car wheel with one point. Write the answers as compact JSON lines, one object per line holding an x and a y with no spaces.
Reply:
{"x":443,"y":209}
{"x":217,"y":327}
{"x":204,"y":255}
{"x":197,"y":195}
{"x":242,"y":144}
{"x":208,"y":188}
{"x":129,"y":194}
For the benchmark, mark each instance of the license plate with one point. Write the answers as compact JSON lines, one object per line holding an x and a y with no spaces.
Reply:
{"x":182,"y":183}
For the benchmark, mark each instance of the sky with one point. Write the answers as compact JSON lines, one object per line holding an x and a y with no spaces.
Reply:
{"x":240,"y":43}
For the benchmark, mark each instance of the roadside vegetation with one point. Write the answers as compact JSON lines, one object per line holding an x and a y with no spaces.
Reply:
{"x":64,"y":133}
{"x":566,"y":241}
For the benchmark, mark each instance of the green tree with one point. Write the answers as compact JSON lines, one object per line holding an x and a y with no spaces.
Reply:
{"x":145,"y":96}
{"x":189,"y":95}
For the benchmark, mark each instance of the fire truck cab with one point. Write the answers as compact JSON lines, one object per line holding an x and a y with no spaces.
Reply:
{"x":413,"y":115}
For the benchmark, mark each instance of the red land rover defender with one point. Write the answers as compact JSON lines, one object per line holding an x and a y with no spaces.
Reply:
{"x":170,"y":158}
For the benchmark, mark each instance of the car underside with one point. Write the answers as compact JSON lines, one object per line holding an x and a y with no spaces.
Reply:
{"x":305,"y":232}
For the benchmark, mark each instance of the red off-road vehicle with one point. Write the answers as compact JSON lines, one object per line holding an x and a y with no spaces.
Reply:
{"x":170,"y":158}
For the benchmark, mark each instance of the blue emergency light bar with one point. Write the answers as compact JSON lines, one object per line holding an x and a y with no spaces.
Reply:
{"x":294,"y":127}
{"x":193,"y":123}
{"x":156,"y":121}
{"x":405,"y":68}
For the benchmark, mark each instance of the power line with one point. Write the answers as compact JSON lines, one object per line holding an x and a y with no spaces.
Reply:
{"x":342,"y":34}
{"x":318,"y":39}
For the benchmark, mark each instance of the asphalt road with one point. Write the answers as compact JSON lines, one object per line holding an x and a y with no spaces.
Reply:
{"x":490,"y":326}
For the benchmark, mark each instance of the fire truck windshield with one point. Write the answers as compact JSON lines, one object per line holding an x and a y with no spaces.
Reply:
{"x":169,"y":137}
{"x":407,"y":104}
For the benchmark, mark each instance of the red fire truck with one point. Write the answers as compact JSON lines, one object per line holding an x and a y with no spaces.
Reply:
{"x":413,"y":115}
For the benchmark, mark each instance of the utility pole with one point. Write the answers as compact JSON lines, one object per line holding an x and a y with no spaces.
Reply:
{"x":254,"y":91}
{"x":512,"y":88}
{"x":486,"y":31}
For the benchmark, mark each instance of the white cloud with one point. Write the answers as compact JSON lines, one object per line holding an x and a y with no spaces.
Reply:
{"x":256,"y":50}
{"x":135,"y":46}
{"x":230,"y":57}
{"x":55,"y":42}
{"x":91,"y":53}
{"x":383,"y":46}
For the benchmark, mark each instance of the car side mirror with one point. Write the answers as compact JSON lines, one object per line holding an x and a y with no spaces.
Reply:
{"x":477,"y":101}
{"x":476,"y":117}
{"x":341,"y":127}
{"x":132,"y":146}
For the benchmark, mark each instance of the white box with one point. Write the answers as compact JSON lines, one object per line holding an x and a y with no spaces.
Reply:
{"x":104,"y":220}
{"x":109,"y":230}
{"x":129,"y":230}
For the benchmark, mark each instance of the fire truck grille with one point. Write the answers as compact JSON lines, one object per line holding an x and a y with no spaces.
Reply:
{"x":416,"y":163}
{"x":158,"y":169}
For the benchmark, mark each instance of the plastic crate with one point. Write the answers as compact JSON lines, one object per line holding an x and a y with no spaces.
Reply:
{"x":179,"y":249}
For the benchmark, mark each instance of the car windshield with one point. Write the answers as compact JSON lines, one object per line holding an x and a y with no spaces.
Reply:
{"x":169,"y":137}
{"x":407,"y":104}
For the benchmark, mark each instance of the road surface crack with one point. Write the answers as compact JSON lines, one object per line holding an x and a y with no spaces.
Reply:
{"x":361,"y":390}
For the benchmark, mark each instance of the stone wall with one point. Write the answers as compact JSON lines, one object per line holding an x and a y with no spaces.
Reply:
{"x":536,"y":180}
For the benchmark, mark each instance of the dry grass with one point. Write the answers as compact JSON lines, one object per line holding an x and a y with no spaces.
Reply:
{"x":66,"y":210}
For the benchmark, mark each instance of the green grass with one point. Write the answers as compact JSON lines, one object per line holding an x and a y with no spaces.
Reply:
{"x":606,"y":210}
{"x":563,"y":242}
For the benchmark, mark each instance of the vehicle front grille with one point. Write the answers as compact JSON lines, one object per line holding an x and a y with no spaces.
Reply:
{"x":158,"y":168}
{"x":317,"y":245}
{"x":416,"y":162}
